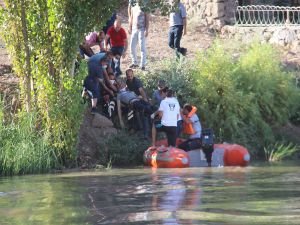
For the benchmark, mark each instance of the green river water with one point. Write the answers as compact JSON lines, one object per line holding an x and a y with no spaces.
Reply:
{"x":256,"y":195}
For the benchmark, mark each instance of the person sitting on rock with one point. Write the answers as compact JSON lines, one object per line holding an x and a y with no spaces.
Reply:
{"x":134,"y":104}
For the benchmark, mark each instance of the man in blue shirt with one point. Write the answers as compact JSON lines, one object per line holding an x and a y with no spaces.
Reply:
{"x":177,"y":26}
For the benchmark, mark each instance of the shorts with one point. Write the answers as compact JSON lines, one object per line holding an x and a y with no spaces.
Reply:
{"x":171,"y":134}
{"x":92,"y":84}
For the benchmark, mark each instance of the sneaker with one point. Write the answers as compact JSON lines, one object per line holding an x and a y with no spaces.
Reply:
{"x":133,"y":66}
{"x":183,"y":51}
{"x":94,"y":111}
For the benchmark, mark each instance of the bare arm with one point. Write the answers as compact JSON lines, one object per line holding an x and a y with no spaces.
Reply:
{"x":147,"y":19}
{"x":106,"y":41}
{"x":120,"y":113}
{"x":130,"y":20}
{"x":143,"y":94}
{"x":184,"y":26}
{"x":125,"y":48}
{"x":160,"y":114}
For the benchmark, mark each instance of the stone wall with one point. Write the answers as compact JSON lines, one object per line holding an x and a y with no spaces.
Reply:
{"x":211,"y":13}
{"x":220,"y":16}
{"x":287,"y":37}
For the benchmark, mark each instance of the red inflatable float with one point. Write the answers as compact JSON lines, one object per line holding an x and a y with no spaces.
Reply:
{"x":166,"y":157}
{"x":170,"y":157}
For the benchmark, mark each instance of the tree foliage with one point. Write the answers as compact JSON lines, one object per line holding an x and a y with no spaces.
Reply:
{"x":42,"y":37}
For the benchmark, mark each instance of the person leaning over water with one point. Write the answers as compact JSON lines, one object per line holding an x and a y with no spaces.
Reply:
{"x":133,"y":102}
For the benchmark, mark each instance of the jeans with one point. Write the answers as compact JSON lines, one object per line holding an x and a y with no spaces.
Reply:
{"x":138,"y":36}
{"x":175,"y":34}
{"x":116,"y":66}
{"x":145,"y":110}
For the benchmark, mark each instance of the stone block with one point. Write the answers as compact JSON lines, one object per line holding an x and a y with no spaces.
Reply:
{"x":100,"y":121}
{"x":218,"y":10}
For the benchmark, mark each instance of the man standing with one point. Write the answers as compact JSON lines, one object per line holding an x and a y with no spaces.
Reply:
{"x":118,"y":42}
{"x":177,"y":26}
{"x":168,"y":111}
{"x":138,"y":27}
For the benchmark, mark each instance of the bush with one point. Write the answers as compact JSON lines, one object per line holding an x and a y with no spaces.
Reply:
{"x":177,"y":74}
{"x":242,"y":98}
{"x":123,"y":150}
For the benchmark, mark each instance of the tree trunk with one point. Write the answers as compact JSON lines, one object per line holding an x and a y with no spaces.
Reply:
{"x":27,"y":77}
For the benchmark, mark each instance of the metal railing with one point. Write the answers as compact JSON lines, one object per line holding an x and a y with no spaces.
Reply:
{"x":267,"y":15}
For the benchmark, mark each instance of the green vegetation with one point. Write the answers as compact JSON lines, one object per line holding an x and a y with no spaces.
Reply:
{"x":242,"y":98}
{"x":27,"y":147}
{"x":280,"y":151}
{"x":42,"y":38}
{"x":122,"y":150}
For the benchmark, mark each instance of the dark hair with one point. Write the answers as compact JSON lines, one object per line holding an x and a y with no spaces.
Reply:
{"x":170,"y":93}
{"x":161,"y":83}
{"x":188,"y":107}
{"x":104,"y":59}
{"x":164,"y":90}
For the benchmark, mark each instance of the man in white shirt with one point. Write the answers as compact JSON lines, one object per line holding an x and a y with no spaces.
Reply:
{"x":168,"y":111}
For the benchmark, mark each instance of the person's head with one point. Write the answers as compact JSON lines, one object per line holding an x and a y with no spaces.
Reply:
{"x":112,"y":55}
{"x":117,"y":24}
{"x":112,"y":78}
{"x":129,"y":74}
{"x":170,"y":93}
{"x":104,"y":62}
{"x":101,"y":35}
{"x":163,"y":92}
{"x":161,"y":84}
{"x":187,"y":108}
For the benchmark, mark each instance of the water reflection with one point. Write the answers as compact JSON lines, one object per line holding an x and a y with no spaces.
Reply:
{"x":267,"y":195}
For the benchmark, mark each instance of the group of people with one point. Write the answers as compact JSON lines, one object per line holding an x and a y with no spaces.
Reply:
{"x":127,"y":96}
{"x":113,"y":36}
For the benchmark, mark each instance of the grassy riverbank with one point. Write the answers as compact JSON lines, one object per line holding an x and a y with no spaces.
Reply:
{"x":243,"y":94}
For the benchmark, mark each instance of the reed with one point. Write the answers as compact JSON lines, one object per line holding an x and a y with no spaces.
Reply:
{"x":280,"y":151}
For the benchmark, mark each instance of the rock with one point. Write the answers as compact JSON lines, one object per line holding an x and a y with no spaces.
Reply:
{"x":100,"y":121}
{"x":283,"y":37}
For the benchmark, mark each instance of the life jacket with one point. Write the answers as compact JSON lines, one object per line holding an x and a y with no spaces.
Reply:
{"x":188,"y":127}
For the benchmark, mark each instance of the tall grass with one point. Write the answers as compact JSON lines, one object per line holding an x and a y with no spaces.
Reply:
{"x":280,"y":151}
{"x":27,"y":147}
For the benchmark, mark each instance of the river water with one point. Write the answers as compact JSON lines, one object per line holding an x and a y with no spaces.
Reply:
{"x":262,"y":194}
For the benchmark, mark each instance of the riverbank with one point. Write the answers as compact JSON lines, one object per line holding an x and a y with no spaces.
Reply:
{"x":197,"y":39}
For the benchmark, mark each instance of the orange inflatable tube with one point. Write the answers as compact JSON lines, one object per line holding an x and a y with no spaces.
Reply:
{"x":166,"y":157}
{"x":171,"y":157}
{"x":234,"y":155}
